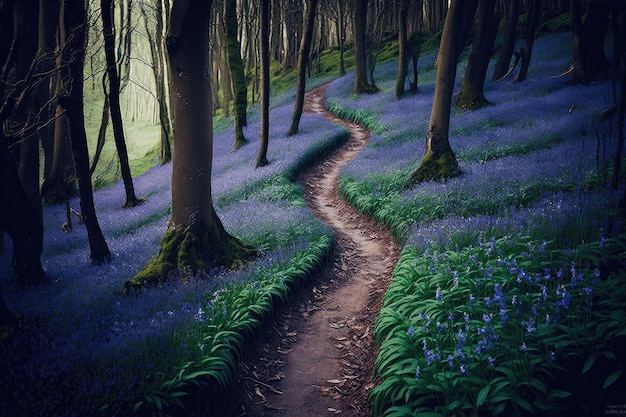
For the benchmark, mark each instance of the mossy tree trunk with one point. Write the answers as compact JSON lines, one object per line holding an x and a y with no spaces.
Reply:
{"x":508,"y":42}
{"x":472,"y":96}
{"x":237,"y":76}
{"x":303,"y":56}
{"x":261,"y":159}
{"x":195,"y":239}
{"x":439,"y":161}
{"x":114,"y":102}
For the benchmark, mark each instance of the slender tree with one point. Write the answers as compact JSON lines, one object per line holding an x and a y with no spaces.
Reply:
{"x":403,"y":52}
{"x":439,"y":161}
{"x":303,"y":56}
{"x":114,"y":101}
{"x":158,"y":70}
{"x":472,"y":96}
{"x":532,"y":22}
{"x":71,"y":99}
{"x":508,"y":42}
{"x":265,"y":83}
{"x":237,"y":76}
{"x":195,"y":238}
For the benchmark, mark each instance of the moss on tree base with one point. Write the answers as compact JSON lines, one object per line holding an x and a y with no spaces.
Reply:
{"x":470,"y":101}
{"x":431,"y":168}
{"x":196,"y":248}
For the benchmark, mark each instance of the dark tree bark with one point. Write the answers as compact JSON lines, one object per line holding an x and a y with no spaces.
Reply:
{"x":114,"y":102}
{"x":261,"y":159}
{"x":237,"y":76}
{"x":471,"y":96}
{"x":104,"y":124}
{"x":20,"y":220}
{"x":17,"y":216}
{"x":195,"y":238}
{"x":439,"y":161}
{"x":303,"y":56}
{"x":59,"y":177}
{"x":403,"y":48}
{"x":590,"y":62}
{"x":47,"y":44}
{"x":22,"y":124}
{"x":361,"y":83}
{"x":508,"y":43}
{"x":75,"y":25}
{"x":532,"y":21}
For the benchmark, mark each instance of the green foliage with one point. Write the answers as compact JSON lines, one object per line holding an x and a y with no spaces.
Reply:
{"x":237,"y":314}
{"x":484,"y":330}
{"x":363,"y":117}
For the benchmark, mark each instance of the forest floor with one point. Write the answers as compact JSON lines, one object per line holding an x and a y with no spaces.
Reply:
{"x":316,"y":358}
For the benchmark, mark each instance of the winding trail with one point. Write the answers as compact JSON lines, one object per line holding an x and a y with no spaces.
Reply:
{"x":318,"y":361}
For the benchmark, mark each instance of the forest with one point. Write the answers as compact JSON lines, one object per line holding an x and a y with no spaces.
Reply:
{"x":377,"y":208}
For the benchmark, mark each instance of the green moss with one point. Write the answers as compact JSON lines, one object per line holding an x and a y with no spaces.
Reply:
{"x":435,"y":168}
{"x":194,"y":249}
{"x":467,"y":101}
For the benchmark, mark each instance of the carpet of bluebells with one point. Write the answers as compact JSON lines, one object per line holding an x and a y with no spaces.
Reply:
{"x":509,"y":295}
{"x":510,"y":283}
{"x":85,"y":348}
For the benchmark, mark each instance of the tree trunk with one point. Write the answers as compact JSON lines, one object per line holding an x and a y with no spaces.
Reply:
{"x":195,"y":239}
{"x":471,"y":96}
{"x":158,"y":57}
{"x":403,"y":53}
{"x":238,"y":79}
{"x":26,"y":38}
{"x":361,"y":83}
{"x":47,"y":44}
{"x":341,"y":35}
{"x":508,"y":43}
{"x":532,"y":21}
{"x":303,"y":55}
{"x":75,"y":21}
{"x":59,"y":178}
{"x":439,"y":161}
{"x":104,"y":124}
{"x":114,"y":101}
{"x":588,"y":40}
{"x":265,"y":85}
{"x":20,"y":220}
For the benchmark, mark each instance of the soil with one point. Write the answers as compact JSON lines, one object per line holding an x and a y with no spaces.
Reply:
{"x":317,"y":357}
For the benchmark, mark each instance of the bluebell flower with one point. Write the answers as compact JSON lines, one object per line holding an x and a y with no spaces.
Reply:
{"x":438,"y":295}
{"x":523,"y":347}
{"x":463,"y":369}
{"x":417,"y":372}
{"x":491,"y":361}
{"x":451,"y":361}
{"x":531,"y":326}
{"x":411,"y":331}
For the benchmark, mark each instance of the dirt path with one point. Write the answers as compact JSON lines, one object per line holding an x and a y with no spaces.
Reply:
{"x":317,"y":359}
